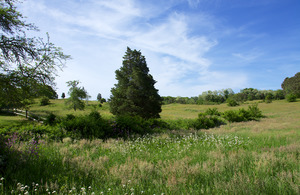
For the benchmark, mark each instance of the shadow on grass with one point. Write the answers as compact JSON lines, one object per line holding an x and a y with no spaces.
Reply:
{"x":50,"y":170}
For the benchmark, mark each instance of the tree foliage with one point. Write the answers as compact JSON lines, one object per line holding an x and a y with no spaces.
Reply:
{"x":292,"y":85}
{"x":135,"y":94}
{"x":77,"y":94}
{"x":26,"y":64}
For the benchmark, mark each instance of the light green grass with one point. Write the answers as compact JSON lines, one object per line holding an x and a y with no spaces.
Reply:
{"x":59,"y":108}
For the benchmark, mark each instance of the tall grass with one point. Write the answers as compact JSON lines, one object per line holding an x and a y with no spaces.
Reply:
{"x":196,"y":163}
{"x":256,"y":157}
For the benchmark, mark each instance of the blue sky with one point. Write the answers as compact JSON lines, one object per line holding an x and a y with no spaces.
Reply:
{"x":190,"y":46}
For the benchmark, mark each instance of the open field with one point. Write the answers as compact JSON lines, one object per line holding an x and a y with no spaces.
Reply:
{"x":256,"y":157}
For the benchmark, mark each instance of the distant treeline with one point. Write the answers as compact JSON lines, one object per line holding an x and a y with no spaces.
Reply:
{"x":224,"y":95}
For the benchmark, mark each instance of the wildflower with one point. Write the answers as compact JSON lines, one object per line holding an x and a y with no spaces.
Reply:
{"x":26,"y":192}
{"x":2,"y":178}
{"x":54,"y":192}
{"x":93,"y":193}
{"x":109,"y":189}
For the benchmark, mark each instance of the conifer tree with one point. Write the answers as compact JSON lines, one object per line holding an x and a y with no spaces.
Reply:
{"x":135,"y":94}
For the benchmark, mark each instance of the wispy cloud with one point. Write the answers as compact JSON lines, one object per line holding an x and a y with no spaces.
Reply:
{"x":102,"y":30}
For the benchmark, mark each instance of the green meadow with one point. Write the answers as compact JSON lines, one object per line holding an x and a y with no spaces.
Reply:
{"x":255,"y":157}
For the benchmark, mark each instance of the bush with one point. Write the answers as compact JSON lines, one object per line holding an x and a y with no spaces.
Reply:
{"x":181,"y":124}
{"x":231,"y":102}
{"x":205,"y":121}
{"x":212,"y":112}
{"x":253,"y":113}
{"x":27,"y":132}
{"x":125,"y":125}
{"x":44,"y":101}
{"x":89,"y":126}
{"x":291,"y":97}
{"x":269,"y":98}
{"x":50,"y":119}
{"x":234,"y":115}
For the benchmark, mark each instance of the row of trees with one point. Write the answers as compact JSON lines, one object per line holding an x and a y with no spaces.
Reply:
{"x":221,"y":96}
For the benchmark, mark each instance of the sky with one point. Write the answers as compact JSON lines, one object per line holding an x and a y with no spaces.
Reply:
{"x":190,"y":46}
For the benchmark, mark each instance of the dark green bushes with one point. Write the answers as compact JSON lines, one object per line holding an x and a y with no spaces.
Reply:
{"x":44,"y":101}
{"x":232,"y":102}
{"x":209,"y":119}
{"x":253,"y":113}
{"x":94,"y":126}
{"x":37,"y":131}
{"x":291,"y":97}
{"x":89,"y":126}
{"x":206,"y":121}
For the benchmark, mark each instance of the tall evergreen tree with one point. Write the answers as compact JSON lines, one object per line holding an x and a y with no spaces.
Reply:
{"x":135,"y":94}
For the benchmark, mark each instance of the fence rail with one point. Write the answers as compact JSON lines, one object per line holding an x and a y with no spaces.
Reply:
{"x":27,"y":114}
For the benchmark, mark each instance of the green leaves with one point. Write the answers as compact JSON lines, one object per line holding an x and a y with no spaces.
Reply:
{"x":76,"y":95}
{"x":135,"y":94}
{"x":26,"y":63}
{"x":292,"y":85}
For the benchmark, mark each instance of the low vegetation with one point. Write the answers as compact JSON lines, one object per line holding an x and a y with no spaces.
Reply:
{"x":255,"y":157}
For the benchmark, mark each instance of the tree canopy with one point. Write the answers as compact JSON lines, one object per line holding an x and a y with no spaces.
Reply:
{"x":77,"y":94}
{"x":292,"y":85}
{"x":25,"y":63}
{"x":135,"y":94}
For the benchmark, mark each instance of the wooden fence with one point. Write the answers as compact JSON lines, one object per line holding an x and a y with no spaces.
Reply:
{"x":28,"y":115}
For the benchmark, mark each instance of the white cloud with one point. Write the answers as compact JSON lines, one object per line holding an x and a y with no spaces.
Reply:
{"x":96,"y":34}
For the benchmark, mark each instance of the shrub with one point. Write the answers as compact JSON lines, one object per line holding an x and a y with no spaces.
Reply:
{"x":269,"y":98}
{"x":205,"y":121}
{"x":50,"y":119}
{"x":291,"y":97}
{"x":89,"y":126}
{"x":234,"y":116}
{"x":44,"y":101}
{"x":231,"y":102}
{"x":254,"y":112}
{"x":213,"y":111}
{"x":125,"y":125}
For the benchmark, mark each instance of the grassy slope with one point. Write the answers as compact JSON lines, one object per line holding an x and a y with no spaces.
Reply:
{"x":256,"y":157}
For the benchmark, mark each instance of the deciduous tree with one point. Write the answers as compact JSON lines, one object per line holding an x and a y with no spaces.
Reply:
{"x":77,"y":94}
{"x":292,"y":85}
{"x":25,"y":63}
